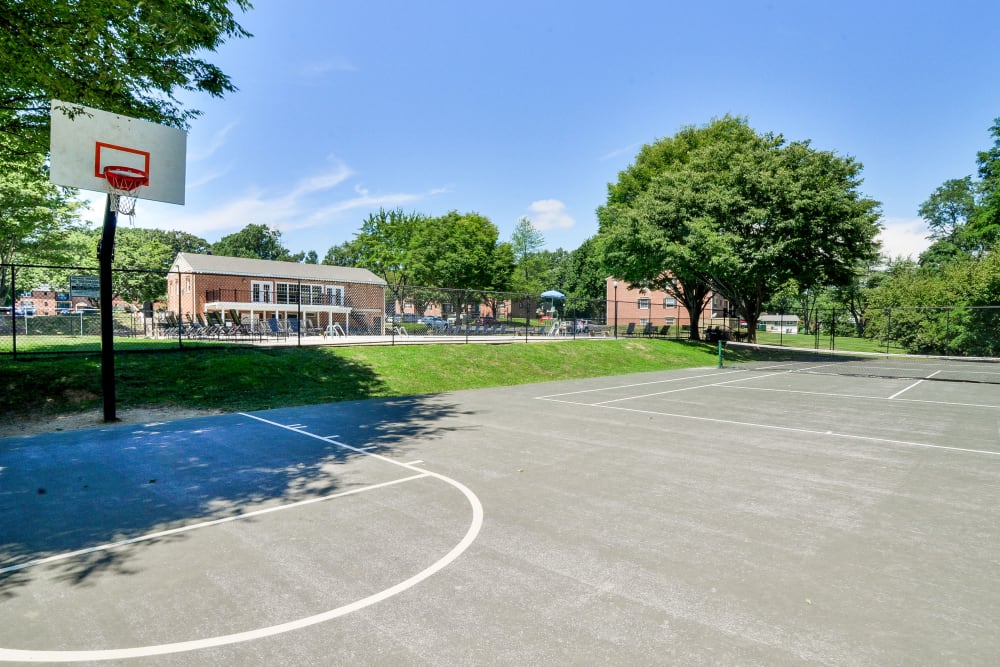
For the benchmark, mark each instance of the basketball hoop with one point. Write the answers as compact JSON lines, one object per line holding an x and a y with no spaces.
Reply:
{"x":124,"y":184}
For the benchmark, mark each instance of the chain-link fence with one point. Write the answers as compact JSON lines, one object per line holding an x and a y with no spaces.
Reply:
{"x":57,"y":309}
{"x":942,"y":330}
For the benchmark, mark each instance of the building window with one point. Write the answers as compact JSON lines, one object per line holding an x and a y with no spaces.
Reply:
{"x":260,"y":292}
{"x":669,"y":302}
{"x":286,"y":292}
{"x":334,"y":295}
{"x":669,"y":321}
{"x":644,"y":303}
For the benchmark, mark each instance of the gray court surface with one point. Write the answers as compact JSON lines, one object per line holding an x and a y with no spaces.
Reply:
{"x":732,"y":516}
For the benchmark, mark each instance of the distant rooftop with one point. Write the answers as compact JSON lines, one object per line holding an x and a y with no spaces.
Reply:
{"x":188,"y":262}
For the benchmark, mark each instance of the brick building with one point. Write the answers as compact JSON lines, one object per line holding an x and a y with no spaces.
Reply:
{"x":314,"y":296}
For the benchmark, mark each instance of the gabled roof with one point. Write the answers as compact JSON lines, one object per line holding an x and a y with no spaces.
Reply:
{"x":188,"y":262}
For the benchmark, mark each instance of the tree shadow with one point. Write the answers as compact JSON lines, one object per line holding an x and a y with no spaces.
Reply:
{"x":76,"y":491}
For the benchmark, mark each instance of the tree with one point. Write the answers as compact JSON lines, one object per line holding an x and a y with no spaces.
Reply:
{"x":502,"y":260}
{"x":984,"y":226}
{"x":343,"y":254}
{"x":639,"y":246}
{"x":949,"y":208}
{"x":526,"y":243}
{"x":384,"y":242}
{"x":454,"y":251}
{"x":124,"y":58}
{"x":35,"y":216}
{"x":585,"y":281}
{"x":747,"y":213}
{"x":256,"y":242}
{"x":312,"y":257}
{"x":142,"y":258}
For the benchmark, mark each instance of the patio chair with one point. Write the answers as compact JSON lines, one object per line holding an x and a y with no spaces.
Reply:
{"x":275,"y":329}
{"x":630,"y":329}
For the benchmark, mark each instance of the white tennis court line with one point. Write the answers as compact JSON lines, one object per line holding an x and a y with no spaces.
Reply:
{"x":903,"y":391}
{"x":788,"y":429}
{"x":202,"y":524}
{"x":642,"y":384}
{"x":674,"y":391}
{"x":866,"y":397}
{"x":728,"y":384}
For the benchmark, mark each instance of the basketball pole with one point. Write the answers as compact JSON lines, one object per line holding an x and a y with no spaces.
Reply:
{"x":105,"y":255}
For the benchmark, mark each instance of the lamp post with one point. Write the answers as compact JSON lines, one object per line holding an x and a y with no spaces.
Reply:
{"x":616,"y":308}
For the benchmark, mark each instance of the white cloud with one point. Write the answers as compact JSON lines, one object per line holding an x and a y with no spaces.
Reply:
{"x":215,"y":142}
{"x":549,"y":214}
{"x":904,"y":237}
{"x":309,"y":203}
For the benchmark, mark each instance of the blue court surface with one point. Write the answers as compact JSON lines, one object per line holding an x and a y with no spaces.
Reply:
{"x":735,"y":516}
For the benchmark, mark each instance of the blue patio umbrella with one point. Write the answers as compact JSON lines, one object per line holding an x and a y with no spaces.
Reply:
{"x":552,"y":295}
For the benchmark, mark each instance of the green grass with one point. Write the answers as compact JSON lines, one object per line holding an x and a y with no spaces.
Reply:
{"x":842,"y":343}
{"x":238,"y":379}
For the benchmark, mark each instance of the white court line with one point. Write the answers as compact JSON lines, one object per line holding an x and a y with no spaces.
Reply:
{"x":865,"y":397}
{"x":203,"y":524}
{"x":789,"y":429}
{"x":23,"y":655}
{"x":903,"y":391}
{"x":641,"y":384}
{"x":674,"y":391}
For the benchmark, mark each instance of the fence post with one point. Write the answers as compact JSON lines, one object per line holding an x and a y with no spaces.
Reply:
{"x":298,"y":314}
{"x":888,"y":328}
{"x":180,"y":317}
{"x":13,"y":311}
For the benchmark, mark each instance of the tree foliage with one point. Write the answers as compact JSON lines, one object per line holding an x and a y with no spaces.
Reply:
{"x":384,"y":243}
{"x":125,"y":57}
{"x":35,"y":216}
{"x":343,"y":254}
{"x":985,"y":223}
{"x":256,"y":242}
{"x":741,"y":212}
{"x":453,"y":251}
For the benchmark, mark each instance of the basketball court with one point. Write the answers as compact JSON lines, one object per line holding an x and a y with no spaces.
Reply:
{"x":743,"y":515}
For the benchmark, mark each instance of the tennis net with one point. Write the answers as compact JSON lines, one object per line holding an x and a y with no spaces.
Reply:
{"x":985,"y":370}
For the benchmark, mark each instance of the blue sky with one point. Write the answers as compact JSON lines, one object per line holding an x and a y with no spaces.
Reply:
{"x":517,"y":108}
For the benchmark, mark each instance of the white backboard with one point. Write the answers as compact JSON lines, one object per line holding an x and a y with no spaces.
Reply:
{"x":84,"y":141}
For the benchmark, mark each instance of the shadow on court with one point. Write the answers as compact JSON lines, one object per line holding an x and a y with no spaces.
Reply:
{"x":73,"y":491}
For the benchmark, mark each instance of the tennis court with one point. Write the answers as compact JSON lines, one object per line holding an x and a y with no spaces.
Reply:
{"x":767,"y":514}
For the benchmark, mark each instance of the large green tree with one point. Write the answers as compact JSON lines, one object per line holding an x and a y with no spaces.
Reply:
{"x":125,"y":57}
{"x":985,"y":223}
{"x":637,"y":243}
{"x":455,"y":251}
{"x":747,"y":213}
{"x":35,"y":216}
{"x":384,"y":242}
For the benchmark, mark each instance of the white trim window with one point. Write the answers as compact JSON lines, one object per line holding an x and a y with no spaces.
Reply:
{"x":669,"y":302}
{"x":261,"y":292}
{"x":334,"y":295}
{"x":644,"y":303}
